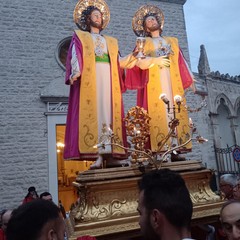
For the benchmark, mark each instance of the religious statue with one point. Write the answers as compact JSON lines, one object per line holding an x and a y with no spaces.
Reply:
{"x":94,"y":72}
{"x":160,"y":78}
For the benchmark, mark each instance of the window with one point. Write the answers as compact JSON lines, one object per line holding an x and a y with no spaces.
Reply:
{"x":61,"y":52}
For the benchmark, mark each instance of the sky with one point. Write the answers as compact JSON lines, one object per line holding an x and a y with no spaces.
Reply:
{"x":216,"y":25}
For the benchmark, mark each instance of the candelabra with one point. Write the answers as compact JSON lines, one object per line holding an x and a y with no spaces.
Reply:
{"x":138,"y":131}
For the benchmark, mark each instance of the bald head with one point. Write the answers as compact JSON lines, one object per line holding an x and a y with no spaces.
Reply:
{"x":230,"y":219}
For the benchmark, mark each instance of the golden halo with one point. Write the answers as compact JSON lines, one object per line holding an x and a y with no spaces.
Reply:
{"x":82,"y":5}
{"x":137,"y":21}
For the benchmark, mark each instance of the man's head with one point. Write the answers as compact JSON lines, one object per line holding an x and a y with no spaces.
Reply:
{"x":227,"y":182}
{"x":230,"y":219}
{"x":151,"y":23}
{"x":36,"y":220}
{"x":6,"y":215}
{"x":46,"y":196}
{"x":164,"y":198}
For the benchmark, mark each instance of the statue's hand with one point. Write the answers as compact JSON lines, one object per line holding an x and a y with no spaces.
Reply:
{"x":163,"y":61}
{"x":135,"y":52}
{"x":148,"y":62}
{"x":74,"y":77}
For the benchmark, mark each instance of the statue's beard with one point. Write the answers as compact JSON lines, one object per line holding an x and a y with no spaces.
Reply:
{"x":96,"y":25}
{"x":153,"y":28}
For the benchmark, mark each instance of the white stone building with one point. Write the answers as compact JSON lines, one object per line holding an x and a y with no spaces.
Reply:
{"x":33,"y":97}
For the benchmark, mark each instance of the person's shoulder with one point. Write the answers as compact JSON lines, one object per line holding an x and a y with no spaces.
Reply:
{"x":80,"y":33}
{"x":149,"y":40}
{"x":110,"y":37}
{"x":172,"y":40}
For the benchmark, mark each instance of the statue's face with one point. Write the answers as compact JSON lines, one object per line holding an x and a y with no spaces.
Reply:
{"x":151,"y":24}
{"x":96,"y":19}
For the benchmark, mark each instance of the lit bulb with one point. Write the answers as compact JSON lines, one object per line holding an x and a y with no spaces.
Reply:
{"x":200,"y":139}
{"x":177,"y":99}
{"x":110,"y":130}
{"x":135,"y":130}
{"x":164,"y":98}
{"x":99,"y":145}
{"x":190,"y":122}
{"x":60,"y":145}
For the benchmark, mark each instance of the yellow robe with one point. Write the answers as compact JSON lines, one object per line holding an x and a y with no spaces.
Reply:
{"x":88,"y":121}
{"x":156,"y":108}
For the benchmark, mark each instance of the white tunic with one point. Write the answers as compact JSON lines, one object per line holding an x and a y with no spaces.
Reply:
{"x":103,"y":83}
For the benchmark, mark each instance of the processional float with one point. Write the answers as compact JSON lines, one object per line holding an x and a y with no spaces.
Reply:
{"x":107,"y":203}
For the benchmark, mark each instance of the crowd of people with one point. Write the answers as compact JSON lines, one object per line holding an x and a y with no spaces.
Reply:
{"x":6,"y":214}
{"x":36,"y":218}
{"x":164,"y":206}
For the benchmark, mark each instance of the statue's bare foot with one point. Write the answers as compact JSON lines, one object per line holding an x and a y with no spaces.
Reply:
{"x":117,"y":163}
{"x":98,"y":164}
{"x":177,"y":157}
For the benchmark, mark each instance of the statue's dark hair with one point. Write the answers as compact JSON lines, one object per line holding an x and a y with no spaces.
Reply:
{"x":147,"y":34}
{"x":85,"y":17}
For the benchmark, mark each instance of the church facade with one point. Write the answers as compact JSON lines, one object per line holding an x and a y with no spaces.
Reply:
{"x":34,"y":98}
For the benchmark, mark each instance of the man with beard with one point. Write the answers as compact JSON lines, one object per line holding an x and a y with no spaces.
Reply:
{"x":162,"y":74}
{"x":165,"y":206}
{"x":95,"y":101}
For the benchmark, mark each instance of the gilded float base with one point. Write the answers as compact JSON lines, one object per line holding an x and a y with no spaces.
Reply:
{"x":107,"y":206}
